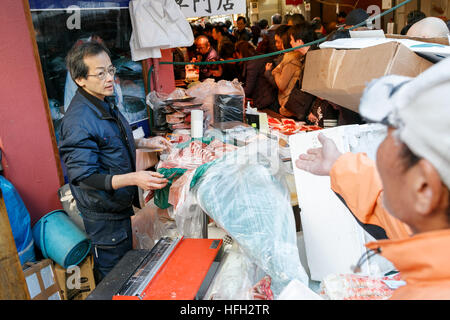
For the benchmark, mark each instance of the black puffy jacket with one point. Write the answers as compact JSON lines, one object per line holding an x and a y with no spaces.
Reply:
{"x":92,"y":141}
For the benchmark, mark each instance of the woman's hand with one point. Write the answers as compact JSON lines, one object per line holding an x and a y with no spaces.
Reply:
{"x":269,"y":66}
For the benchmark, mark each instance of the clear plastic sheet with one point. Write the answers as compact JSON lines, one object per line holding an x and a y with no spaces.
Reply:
{"x":156,"y":101}
{"x":229,"y":101}
{"x":358,"y":287}
{"x":205,"y":92}
{"x":236,"y":278}
{"x":147,"y":229}
{"x":245,"y":194}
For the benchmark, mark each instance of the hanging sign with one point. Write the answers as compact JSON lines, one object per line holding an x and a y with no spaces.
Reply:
{"x":190,"y":8}
{"x":294,"y":2}
{"x":202,"y":8}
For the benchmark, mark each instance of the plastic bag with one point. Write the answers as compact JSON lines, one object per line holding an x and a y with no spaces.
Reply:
{"x":236,"y":278}
{"x":19,"y":220}
{"x":156,"y":102}
{"x":245,"y":194}
{"x":357,"y":287}
{"x":229,"y":101}
{"x":204,"y":93}
{"x":147,"y":229}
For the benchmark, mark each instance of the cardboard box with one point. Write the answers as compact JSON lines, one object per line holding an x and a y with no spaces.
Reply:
{"x":76,"y":282}
{"x":340,"y":76}
{"x":41,"y":280}
{"x":444,"y":41}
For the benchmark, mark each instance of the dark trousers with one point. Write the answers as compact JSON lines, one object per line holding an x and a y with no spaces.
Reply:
{"x":111,"y":239}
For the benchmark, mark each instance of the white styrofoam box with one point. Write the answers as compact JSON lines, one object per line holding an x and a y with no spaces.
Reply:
{"x":334,"y":241}
{"x":296,"y":290}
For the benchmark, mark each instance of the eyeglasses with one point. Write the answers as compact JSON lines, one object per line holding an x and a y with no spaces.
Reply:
{"x":102,"y":74}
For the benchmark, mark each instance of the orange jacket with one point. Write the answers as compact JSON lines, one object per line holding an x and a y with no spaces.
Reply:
{"x":355,"y":178}
{"x":423,"y":260}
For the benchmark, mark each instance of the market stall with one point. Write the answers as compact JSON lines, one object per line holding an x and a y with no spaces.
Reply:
{"x":237,"y":219}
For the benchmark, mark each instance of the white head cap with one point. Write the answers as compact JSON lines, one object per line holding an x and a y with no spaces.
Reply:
{"x":420,"y":110}
{"x":430,"y":27}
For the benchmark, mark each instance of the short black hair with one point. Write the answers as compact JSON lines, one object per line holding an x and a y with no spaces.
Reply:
{"x":263,"y":23}
{"x":219,"y":29}
{"x":304,"y":31}
{"x":296,"y":18}
{"x":283,"y":32}
{"x":75,"y":58}
{"x":415,"y":16}
{"x":356,"y":16}
{"x":241,"y":18}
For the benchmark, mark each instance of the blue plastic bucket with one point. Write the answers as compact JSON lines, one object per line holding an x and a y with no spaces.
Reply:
{"x":60,"y":239}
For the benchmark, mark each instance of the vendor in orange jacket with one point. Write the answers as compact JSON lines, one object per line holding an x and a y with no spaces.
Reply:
{"x":406,"y":191}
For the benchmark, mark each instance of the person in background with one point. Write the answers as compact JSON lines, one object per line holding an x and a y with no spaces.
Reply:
{"x":229,"y":26}
{"x":295,"y":19}
{"x":263,"y":24}
{"x":241,"y":32}
{"x":282,"y":42}
{"x":267,"y":44}
{"x":205,"y":53}
{"x":318,"y":28}
{"x":256,"y":86}
{"x":411,"y":18}
{"x":256,"y":35}
{"x":331,"y":27}
{"x":227,"y":31}
{"x":276,"y":21}
{"x":207,"y":31}
{"x":222,"y":40}
{"x":286,"y":75}
{"x":405,"y":192}
{"x":99,"y":152}
{"x":226,"y":71}
{"x":355,"y":17}
{"x":341,"y":18}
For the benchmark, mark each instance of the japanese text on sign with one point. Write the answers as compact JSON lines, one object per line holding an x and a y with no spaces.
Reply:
{"x":200,"y":8}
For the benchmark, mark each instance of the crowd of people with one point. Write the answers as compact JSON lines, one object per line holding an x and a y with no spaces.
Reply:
{"x":274,"y":82}
{"x":269,"y":82}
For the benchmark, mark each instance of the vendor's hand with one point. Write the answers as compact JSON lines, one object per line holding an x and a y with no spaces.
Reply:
{"x":319,"y":161}
{"x":269,"y":66}
{"x":149,"y":180}
{"x":158,"y":143}
{"x":312,"y":118}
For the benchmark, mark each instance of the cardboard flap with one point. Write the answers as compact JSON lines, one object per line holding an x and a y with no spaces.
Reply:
{"x":340,"y":76}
